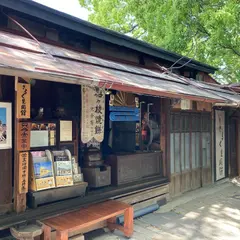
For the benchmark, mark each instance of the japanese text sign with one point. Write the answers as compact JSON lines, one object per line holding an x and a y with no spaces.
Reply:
{"x":23,"y":136}
{"x":23,"y":172}
{"x":220,"y":144}
{"x":23,"y":100}
{"x":93,"y":114}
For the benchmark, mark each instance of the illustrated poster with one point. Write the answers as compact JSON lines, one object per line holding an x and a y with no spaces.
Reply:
{"x":5,"y":125}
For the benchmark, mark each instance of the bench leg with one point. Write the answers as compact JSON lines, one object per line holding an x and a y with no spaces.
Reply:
{"x":46,"y":235}
{"x":128,"y":222}
{"x":111,"y":223}
{"x":61,"y":235}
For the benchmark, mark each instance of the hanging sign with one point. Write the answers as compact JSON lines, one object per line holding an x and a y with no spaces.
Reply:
{"x":93,"y":114}
{"x":23,"y":172}
{"x":220,"y":144}
{"x":23,"y":100}
{"x":23,"y":136}
{"x":185,"y":104}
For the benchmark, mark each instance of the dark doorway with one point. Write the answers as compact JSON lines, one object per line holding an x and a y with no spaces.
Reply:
{"x":233,"y":135}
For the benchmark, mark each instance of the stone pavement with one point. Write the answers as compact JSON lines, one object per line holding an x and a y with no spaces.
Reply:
{"x":211,"y":212}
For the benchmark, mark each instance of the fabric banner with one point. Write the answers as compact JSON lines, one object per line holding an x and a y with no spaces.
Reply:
{"x":220,"y":144}
{"x":93,"y":114}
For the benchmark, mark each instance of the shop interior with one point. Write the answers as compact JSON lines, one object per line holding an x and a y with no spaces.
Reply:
{"x":64,"y":158}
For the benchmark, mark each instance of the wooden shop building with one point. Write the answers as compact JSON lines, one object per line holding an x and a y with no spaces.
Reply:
{"x":88,"y":114}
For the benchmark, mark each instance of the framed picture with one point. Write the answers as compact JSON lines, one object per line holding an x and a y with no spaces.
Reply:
{"x":5,"y":125}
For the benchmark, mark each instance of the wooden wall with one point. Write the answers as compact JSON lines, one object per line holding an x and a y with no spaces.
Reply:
{"x":191,"y":158}
{"x":5,"y":180}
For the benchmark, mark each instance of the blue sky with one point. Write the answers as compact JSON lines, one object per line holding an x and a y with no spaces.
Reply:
{"x":3,"y":115}
{"x":71,"y":7}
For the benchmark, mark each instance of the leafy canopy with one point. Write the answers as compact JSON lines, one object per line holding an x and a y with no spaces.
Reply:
{"x":206,"y":30}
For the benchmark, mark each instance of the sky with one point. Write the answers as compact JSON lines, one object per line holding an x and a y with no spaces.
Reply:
{"x":71,"y":7}
{"x":3,"y":115}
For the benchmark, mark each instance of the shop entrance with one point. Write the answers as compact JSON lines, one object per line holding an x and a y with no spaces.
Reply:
{"x":87,"y":143}
{"x":233,"y":135}
{"x":190,"y":142}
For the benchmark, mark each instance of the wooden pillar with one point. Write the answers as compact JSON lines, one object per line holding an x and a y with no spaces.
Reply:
{"x":1,"y":90}
{"x":165,"y":135}
{"x":19,"y":198}
{"x":237,"y":139}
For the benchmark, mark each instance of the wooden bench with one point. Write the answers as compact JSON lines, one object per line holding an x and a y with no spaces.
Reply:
{"x":86,"y":217}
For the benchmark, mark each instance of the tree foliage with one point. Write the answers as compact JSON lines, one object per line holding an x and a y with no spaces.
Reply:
{"x":206,"y":30}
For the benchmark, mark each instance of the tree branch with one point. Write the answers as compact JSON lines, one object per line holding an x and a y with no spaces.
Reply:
{"x":131,"y":29}
{"x":230,"y":48}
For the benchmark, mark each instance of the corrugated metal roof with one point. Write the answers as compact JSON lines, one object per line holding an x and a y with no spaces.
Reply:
{"x":19,"y":53}
{"x":20,"y":42}
{"x":219,"y":91}
{"x":50,"y":15}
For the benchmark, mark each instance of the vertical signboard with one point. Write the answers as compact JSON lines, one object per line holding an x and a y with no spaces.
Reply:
{"x":23,"y":136}
{"x":23,"y":172}
{"x":220,"y":144}
{"x":93,"y":114}
{"x":23,"y":100}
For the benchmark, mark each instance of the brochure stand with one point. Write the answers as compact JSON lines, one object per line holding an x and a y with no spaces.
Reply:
{"x":52,"y":178}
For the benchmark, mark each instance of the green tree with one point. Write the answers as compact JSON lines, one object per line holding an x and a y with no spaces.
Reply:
{"x":206,"y":30}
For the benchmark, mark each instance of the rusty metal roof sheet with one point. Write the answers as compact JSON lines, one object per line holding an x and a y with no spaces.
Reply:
{"x":9,"y":39}
{"x":219,"y":91}
{"x":47,"y":61}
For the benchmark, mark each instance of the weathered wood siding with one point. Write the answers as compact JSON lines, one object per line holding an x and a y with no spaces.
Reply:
{"x":190,"y":142}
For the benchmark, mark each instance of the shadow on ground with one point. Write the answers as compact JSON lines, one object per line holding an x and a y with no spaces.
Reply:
{"x":214,"y":214}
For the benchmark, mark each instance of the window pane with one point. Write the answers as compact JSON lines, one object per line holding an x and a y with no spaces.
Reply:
{"x":187,"y":149}
{"x":197,"y":149}
{"x":193,"y":150}
{"x":177,"y":152}
{"x":172,"y":151}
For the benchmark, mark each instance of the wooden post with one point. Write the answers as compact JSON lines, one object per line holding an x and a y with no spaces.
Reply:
{"x":1,"y":91}
{"x":19,"y":199}
{"x":46,"y":235}
{"x":128,"y":222}
{"x":165,"y":135}
{"x":61,"y":235}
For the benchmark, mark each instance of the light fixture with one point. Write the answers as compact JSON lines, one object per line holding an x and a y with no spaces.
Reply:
{"x":33,"y":82}
{"x":108,"y":92}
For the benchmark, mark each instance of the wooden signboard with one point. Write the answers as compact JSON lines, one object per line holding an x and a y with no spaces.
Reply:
{"x":204,"y":106}
{"x":23,"y":136}
{"x":23,"y":100}
{"x":23,"y":172}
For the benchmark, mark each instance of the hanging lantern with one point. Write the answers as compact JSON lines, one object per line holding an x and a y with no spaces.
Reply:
{"x":137,"y":102}
{"x":111,"y":101}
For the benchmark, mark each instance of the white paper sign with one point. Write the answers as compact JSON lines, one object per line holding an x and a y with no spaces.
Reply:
{"x":65,"y":131}
{"x":185,"y":104}
{"x":220,"y":144}
{"x":39,"y":138}
{"x":93,"y":114}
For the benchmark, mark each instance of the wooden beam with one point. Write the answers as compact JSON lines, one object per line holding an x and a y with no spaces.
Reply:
{"x":19,"y":199}
{"x":237,"y":148}
{"x":1,"y":90}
